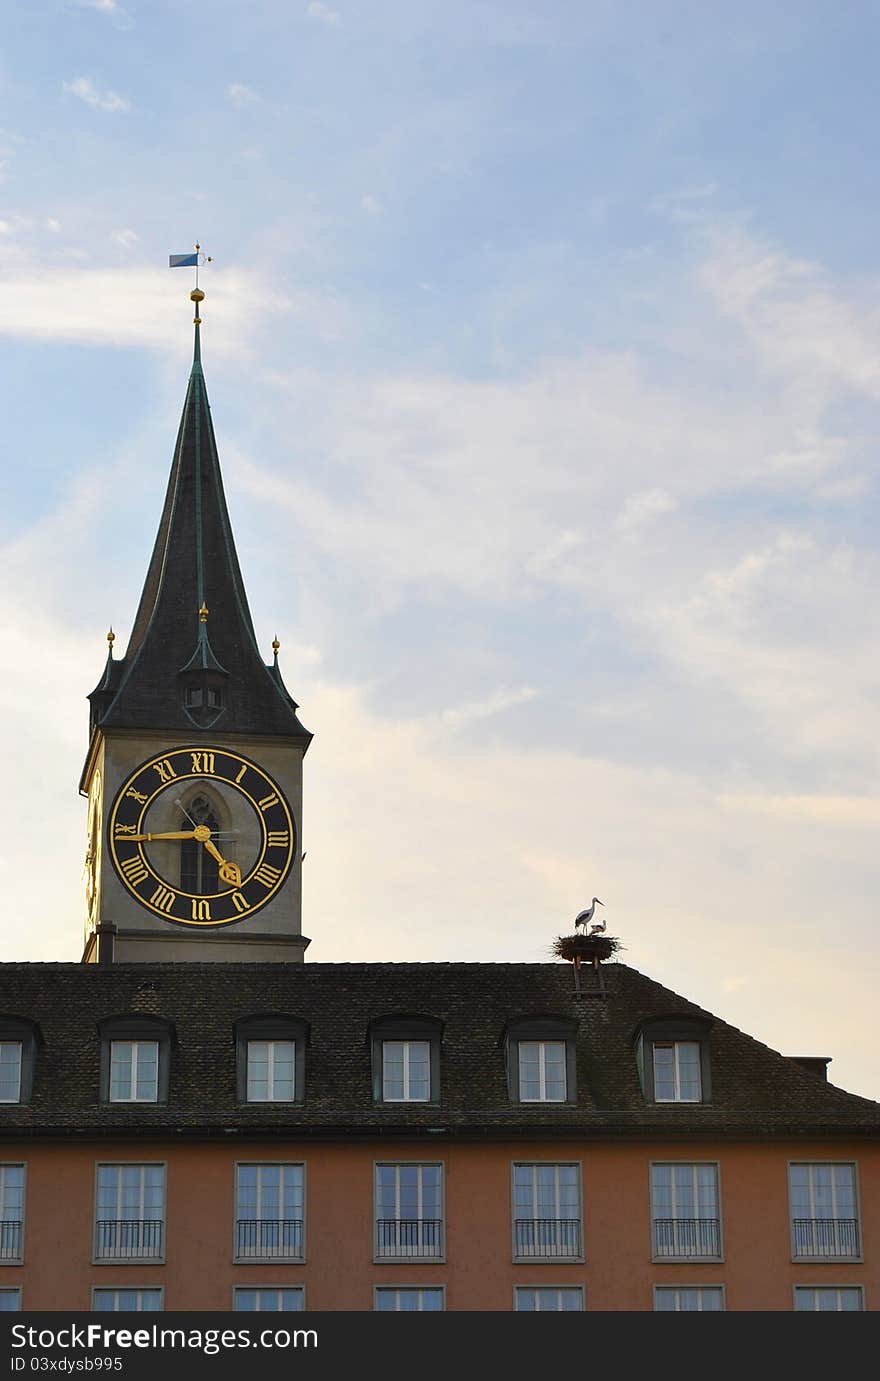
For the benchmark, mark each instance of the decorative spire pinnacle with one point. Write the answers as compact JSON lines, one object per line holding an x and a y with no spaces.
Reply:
{"x":275,"y":646}
{"x":203,"y":613}
{"x":111,"y":639}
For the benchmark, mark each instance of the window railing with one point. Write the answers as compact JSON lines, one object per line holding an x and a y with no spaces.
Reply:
{"x":409,"y":1237}
{"x":10,"y":1240}
{"x":697,"y":1237}
{"x":825,"y":1237}
{"x":547,"y":1237}
{"x":118,"y":1239}
{"x":263,"y":1237}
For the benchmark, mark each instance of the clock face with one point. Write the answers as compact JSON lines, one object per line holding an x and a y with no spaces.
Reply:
{"x":201,"y":836}
{"x":93,"y":852}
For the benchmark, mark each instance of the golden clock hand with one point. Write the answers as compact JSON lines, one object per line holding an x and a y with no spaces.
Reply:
{"x":229,"y":872}
{"x":166,"y":834}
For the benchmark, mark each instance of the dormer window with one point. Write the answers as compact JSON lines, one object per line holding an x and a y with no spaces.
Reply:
{"x":18,"y":1053}
{"x":198,"y":696}
{"x":406,"y":1059}
{"x":135,"y":1058}
{"x":270,"y":1058}
{"x":540,"y":1056}
{"x":673,"y":1060}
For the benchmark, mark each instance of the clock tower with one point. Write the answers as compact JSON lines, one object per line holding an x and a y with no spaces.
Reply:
{"x":194,"y":769}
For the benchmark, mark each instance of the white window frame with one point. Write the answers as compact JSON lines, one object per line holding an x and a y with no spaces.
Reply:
{"x":692,"y":1165}
{"x":287,"y":1286}
{"x":11,"y":1290}
{"x":408,"y":1045}
{"x":810,"y":1164}
{"x":138,"y":1289}
{"x":812,"y":1288}
{"x":398,"y":1287}
{"x":700,"y":1286}
{"x":100,"y":1165}
{"x":555,"y":1257}
{"x":379,"y":1259}
{"x":22,"y":1166}
{"x":136,"y":1046}
{"x":549,"y":1286}
{"x":676,"y":1067}
{"x":271,"y":1043}
{"x":542,"y":1070}
{"x":260,"y":1165}
{"x":20,"y":1045}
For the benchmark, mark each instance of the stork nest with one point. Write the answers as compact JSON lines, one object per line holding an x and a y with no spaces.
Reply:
{"x":586,"y":947}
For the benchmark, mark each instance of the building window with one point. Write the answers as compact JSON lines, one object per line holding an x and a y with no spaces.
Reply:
{"x":406,"y":1059}
{"x":134,"y":1071}
{"x":270,"y":1071}
{"x":828,"y":1298}
{"x":126,"y":1301}
{"x":686,"y":1219}
{"x":130,"y":1213}
{"x":688,"y":1297}
{"x":135,"y":1058}
{"x":408,"y":1300}
{"x":409,"y":1212}
{"x":824,"y":1212}
{"x":19,"y":1040}
{"x":673,"y":1059}
{"x":10,"y":1301}
{"x":540,"y":1055}
{"x":270,"y":1059}
{"x":548,"y":1299}
{"x":11,"y":1213}
{"x":10,"y":1071}
{"x":199,"y":869}
{"x":265,"y":1299}
{"x":547,"y":1212}
{"x":269,"y":1214}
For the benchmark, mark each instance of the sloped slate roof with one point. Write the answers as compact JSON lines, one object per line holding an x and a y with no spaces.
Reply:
{"x":755,"y":1091}
{"x":194,"y":561}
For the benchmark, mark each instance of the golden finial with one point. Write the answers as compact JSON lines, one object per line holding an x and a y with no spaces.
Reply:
{"x":111,"y":639}
{"x":203,"y":613}
{"x":275,"y":644}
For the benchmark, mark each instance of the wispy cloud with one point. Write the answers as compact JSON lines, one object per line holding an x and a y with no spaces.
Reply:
{"x":372,"y":205}
{"x":242,"y":96}
{"x":86,"y":90}
{"x":322,"y":13}
{"x":502,"y":700}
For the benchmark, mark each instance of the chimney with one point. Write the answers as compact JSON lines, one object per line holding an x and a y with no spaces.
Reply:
{"x":815,"y":1064}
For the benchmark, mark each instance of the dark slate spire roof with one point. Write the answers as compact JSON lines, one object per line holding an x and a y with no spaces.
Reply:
{"x":193,"y":624}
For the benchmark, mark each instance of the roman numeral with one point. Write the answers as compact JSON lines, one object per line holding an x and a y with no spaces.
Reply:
{"x":165,"y":770}
{"x":267,"y":875}
{"x":201,"y":910}
{"x":241,"y":773}
{"x":134,"y":871}
{"x":268,"y":802}
{"x":203,"y":762}
{"x":119,"y":831}
{"x":137,"y":796}
{"x":240,"y":902}
{"x":163,"y":898}
{"x":278,"y":839}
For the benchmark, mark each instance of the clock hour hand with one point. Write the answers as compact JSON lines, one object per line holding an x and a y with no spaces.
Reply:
{"x":229,"y":872}
{"x":166,"y":834}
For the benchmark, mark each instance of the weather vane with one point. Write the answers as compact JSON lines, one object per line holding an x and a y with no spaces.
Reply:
{"x":192,"y":261}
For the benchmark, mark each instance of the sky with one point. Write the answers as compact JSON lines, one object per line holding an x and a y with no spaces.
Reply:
{"x":542,"y":348}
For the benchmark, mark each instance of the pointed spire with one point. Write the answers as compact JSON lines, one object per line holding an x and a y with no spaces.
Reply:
{"x":170,"y":662}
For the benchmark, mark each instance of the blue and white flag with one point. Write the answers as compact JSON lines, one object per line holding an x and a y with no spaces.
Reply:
{"x":183,"y":261}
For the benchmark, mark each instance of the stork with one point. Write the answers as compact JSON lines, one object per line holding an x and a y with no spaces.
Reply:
{"x":585,"y":917}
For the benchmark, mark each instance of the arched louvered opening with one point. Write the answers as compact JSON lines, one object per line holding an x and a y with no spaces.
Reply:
{"x":198,"y":870}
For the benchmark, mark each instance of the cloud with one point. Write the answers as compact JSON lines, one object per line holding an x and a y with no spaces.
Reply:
{"x":494,"y":704}
{"x":85,"y":90}
{"x":372,"y":205}
{"x":126,"y":238}
{"x":643,"y":507}
{"x":242,"y":96}
{"x":321,"y":13}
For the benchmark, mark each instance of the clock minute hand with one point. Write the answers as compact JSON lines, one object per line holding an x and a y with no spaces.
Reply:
{"x":167,"y":834}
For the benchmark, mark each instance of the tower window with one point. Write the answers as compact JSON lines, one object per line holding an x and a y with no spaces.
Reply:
{"x":197,"y":696}
{"x":198,"y":870}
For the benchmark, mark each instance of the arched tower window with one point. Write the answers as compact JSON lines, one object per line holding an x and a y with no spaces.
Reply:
{"x":198,"y":870}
